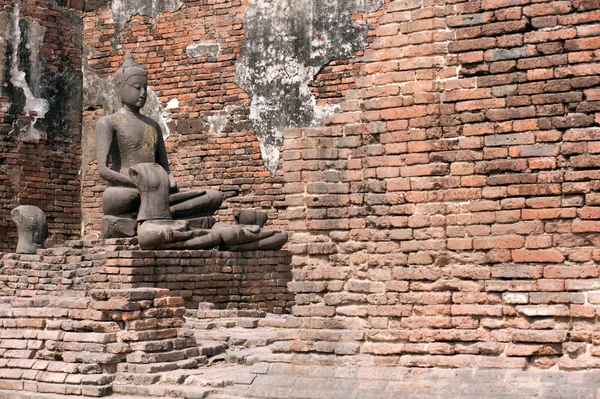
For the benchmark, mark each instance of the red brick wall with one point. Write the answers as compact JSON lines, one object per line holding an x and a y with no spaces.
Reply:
{"x":44,"y":173}
{"x":455,"y":198}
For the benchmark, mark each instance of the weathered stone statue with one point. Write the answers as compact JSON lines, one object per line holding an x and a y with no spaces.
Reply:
{"x":127,"y":138}
{"x":32,"y":228}
{"x":142,"y":192}
{"x":159,"y":231}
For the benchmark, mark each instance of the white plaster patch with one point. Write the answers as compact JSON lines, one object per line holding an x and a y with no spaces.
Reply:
{"x":35,"y":107}
{"x":217,"y":123}
{"x":199,"y":49}
{"x":270,"y":155}
{"x":173,"y":104}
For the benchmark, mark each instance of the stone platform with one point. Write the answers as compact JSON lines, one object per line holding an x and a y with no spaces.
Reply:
{"x":95,"y":319}
{"x":243,"y":280}
{"x":92,"y":318}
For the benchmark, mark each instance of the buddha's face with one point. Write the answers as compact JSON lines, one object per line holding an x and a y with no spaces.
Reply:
{"x":134,"y":91}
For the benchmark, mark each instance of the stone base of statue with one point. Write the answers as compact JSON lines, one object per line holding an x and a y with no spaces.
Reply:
{"x":121,"y":227}
{"x":113,"y":311}
{"x":116,"y":227}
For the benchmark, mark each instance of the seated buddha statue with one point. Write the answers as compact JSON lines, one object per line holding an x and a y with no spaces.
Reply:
{"x":127,"y":138}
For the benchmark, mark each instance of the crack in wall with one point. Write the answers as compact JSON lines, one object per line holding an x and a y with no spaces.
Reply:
{"x":287,"y":43}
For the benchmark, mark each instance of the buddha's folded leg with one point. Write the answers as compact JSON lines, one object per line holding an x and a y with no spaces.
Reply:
{"x":207,"y":239}
{"x":182,"y":196}
{"x":202,"y":205}
{"x":265,"y":240}
{"x":120,"y":201}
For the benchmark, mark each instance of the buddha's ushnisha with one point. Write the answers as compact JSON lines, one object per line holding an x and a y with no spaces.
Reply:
{"x":128,"y":138}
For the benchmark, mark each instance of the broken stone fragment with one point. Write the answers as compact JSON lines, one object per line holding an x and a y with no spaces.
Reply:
{"x":32,"y":227}
{"x":116,"y":227}
{"x":246,"y":216}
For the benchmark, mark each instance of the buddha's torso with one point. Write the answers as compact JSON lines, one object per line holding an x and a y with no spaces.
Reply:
{"x":135,"y":141}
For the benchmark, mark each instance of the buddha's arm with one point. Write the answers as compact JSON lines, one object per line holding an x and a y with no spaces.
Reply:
{"x":162,"y":160}
{"x":104,"y":140}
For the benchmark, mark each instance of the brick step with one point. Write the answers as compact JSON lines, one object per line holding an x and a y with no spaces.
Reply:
{"x":226,"y":323}
{"x":225,"y":313}
{"x":68,"y":375}
{"x":140,"y":357}
{"x":250,"y":356}
{"x":224,"y":396}
{"x":54,"y":366}
{"x":211,"y":348}
{"x":127,"y":243}
{"x":78,"y":301}
{"x":246,"y":338}
{"x":67,"y":382}
{"x":68,"y":251}
{"x":163,"y":345}
{"x":61,"y":388}
{"x":217,"y":377}
{"x":280,"y":321}
{"x":191,"y":363}
{"x":163,"y":390}
{"x":271,"y":321}
{"x":23,"y":292}
{"x":10,"y":394}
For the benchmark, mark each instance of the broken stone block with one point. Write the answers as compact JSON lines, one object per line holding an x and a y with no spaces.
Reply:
{"x":116,"y":227}
{"x":32,"y":227}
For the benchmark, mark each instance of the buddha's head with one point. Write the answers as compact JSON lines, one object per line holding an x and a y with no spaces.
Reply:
{"x":132,"y":83}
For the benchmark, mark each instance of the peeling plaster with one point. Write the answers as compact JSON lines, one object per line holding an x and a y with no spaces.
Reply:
{"x":123,"y":10}
{"x":23,"y":34}
{"x":51,"y":99}
{"x":287,"y":43}
{"x":219,"y":121}
{"x":157,"y":111}
{"x":200,"y":49}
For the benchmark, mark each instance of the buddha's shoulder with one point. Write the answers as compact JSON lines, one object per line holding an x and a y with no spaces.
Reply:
{"x":110,"y":120}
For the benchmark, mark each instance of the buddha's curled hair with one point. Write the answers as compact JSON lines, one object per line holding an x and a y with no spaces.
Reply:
{"x":128,"y":69}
